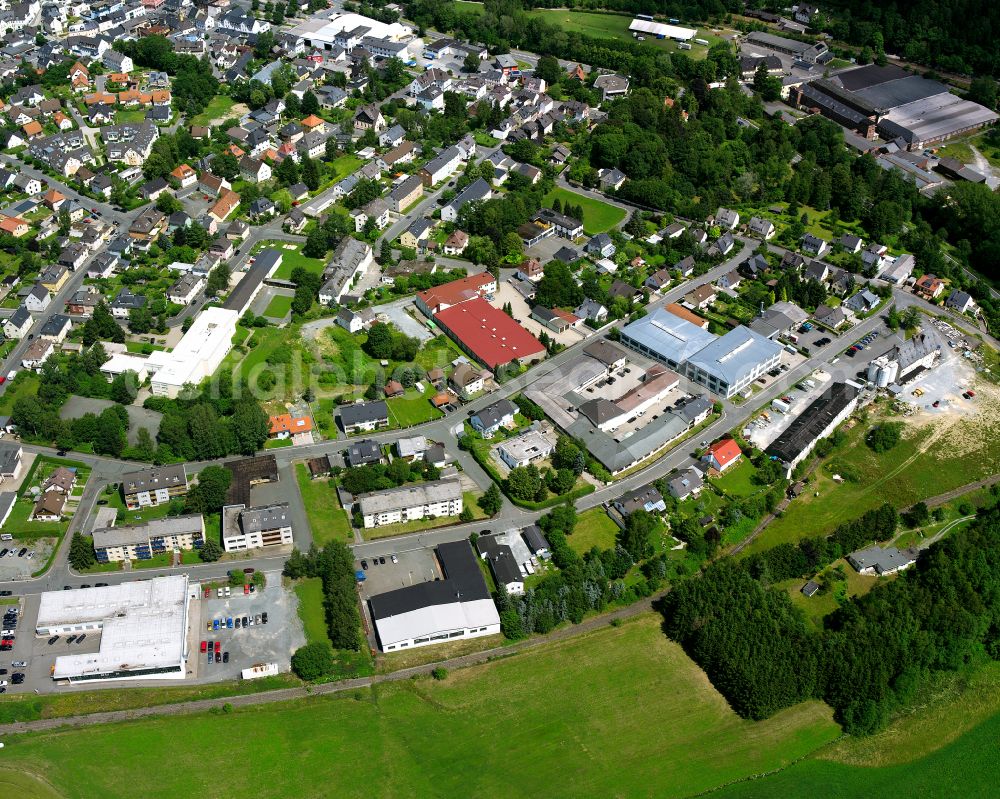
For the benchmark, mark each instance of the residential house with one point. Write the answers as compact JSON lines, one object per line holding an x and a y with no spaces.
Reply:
{"x":960,"y":301}
{"x":37,"y":299}
{"x":865,"y":301}
{"x":489,"y":420}
{"x":56,"y":328}
{"x":726,"y":218}
{"x":929,"y":286}
{"x":761,"y":228}
{"x":18,"y":323}
{"x":814,"y":246}
{"x":600,"y":245}
{"x":722,"y":454}
{"x":456,"y":243}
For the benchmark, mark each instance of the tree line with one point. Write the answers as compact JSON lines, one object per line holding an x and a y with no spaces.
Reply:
{"x":334,"y":565}
{"x":872,"y":654}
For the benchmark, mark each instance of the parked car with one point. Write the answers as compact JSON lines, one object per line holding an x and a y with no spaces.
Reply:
{"x":218,"y":645}
{"x":225,"y":657}
{"x":204,"y":646}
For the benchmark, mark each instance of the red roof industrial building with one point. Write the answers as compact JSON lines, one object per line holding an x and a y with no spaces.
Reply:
{"x":488,"y":334}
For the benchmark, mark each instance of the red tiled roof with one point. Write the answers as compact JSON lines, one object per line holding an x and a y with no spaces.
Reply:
{"x":457,"y":291}
{"x":488,"y":333}
{"x":725,"y":451}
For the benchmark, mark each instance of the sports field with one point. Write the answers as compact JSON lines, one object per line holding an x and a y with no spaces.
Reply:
{"x":615,"y":26}
{"x":617,"y":712}
{"x":598,"y":217}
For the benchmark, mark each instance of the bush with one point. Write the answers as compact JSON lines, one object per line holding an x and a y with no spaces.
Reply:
{"x":439,"y":673}
{"x":313,"y":661}
{"x":884,"y":436}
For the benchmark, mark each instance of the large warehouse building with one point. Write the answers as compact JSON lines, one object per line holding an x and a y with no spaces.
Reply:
{"x":817,"y":421}
{"x":895,"y":104}
{"x":725,"y":364}
{"x":352,"y":30}
{"x":458,"y":606}
{"x":198,"y":354}
{"x":143,"y":627}
{"x":488,"y":334}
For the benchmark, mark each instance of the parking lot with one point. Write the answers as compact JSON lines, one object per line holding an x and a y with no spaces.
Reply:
{"x":411,"y":567}
{"x":23,"y":558}
{"x":273,"y":642}
{"x":270,"y":643}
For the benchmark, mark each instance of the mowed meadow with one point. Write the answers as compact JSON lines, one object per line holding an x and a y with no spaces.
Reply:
{"x":617,"y":712}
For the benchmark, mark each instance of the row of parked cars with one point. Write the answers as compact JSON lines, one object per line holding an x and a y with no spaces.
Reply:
{"x":23,"y":552}
{"x":10,"y":619}
{"x":215,"y":655}
{"x":236,"y":622}
{"x":862,"y":343}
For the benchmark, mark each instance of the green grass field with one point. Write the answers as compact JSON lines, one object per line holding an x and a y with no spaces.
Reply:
{"x":614,"y":26}
{"x":217,"y":110}
{"x":310,"y":594}
{"x":598,"y":217}
{"x":928,"y":461}
{"x":327,"y":519}
{"x":968,"y":766}
{"x":617,"y":712}
{"x":594,"y":528}
{"x":291,"y":258}
{"x":279,"y":307}
{"x":413,"y":408}
{"x":737,"y":481}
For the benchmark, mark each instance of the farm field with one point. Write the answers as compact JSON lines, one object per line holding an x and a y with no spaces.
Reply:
{"x":594,"y":528}
{"x":598,"y":217}
{"x":662,"y":729}
{"x":946,"y":749}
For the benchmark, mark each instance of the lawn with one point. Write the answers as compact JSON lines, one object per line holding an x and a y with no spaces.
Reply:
{"x":121,"y":117}
{"x":620,"y":711}
{"x":413,"y":408}
{"x":310,"y":594}
{"x":327,"y":519}
{"x":929,"y":460}
{"x":598,"y":217}
{"x":279,"y":307}
{"x":594,"y":528}
{"x":291,"y":258}
{"x":737,"y":481}
{"x":24,"y":385}
{"x":218,"y":109}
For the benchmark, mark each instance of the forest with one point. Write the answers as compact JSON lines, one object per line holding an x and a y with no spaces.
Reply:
{"x":873,"y":654}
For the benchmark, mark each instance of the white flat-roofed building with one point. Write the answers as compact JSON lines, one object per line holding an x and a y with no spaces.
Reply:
{"x":456,"y":607}
{"x":255,"y":528}
{"x":143,"y":626}
{"x":145,"y":541}
{"x":662,"y":31}
{"x":413,"y":501}
{"x":351,"y":30}
{"x":153,"y":486}
{"x":199,"y":353}
{"x":119,"y":363}
{"x":525,"y":448}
